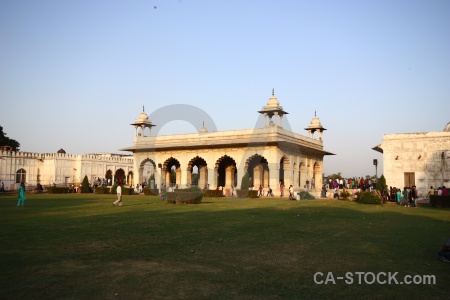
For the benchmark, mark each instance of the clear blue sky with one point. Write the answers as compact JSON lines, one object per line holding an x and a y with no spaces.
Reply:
{"x":75,"y":74}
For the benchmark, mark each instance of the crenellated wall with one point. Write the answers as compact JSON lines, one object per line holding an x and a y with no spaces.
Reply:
{"x":59,"y":168}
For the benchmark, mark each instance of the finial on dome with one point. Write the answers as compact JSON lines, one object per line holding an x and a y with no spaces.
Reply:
{"x":273,"y":91}
{"x":315,"y":115}
{"x":143,"y":108}
{"x":203,"y":129}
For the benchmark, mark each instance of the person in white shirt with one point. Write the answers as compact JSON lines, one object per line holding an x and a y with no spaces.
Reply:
{"x":119,"y":196}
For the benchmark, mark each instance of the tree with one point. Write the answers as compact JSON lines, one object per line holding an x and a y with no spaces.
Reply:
{"x":6,"y":141}
{"x":245,"y":183}
{"x":85,"y":185}
{"x":173,"y":176}
{"x":194,"y":179}
{"x":381,"y":184}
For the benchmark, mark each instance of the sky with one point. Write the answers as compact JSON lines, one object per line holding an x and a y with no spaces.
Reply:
{"x":75,"y":74}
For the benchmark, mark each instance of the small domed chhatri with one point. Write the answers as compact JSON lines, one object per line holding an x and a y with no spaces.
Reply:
{"x":61,"y":151}
{"x":143,"y":117}
{"x":203,"y":129}
{"x":314,"y":126}
{"x":142,"y":122}
{"x":273,"y":108}
{"x":273,"y":101}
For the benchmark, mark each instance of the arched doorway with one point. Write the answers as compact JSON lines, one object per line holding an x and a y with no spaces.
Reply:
{"x":317,"y":176}
{"x":108,"y":177}
{"x":147,"y":171}
{"x":130,"y":178}
{"x":172,"y":172}
{"x":21,"y":176}
{"x":197,"y":172}
{"x":258,"y":170}
{"x":119,"y":177}
{"x":226,"y":172}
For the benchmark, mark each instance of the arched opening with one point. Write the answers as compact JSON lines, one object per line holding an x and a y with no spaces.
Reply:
{"x":172,"y":172}
{"x":258,"y":170}
{"x":147,"y":170}
{"x":316,"y":181}
{"x":130,"y":178}
{"x":226,"y":172}
{"x":197,"y":172}
{"x":295,"y":174}
{"x":108,"y":177}
{"x":21,"y":176}
{"x":302,"y":174}
{"x":288,"y":176}
{"x":119,"y":177}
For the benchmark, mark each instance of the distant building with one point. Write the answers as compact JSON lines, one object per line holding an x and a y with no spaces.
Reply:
{"x":61,"y":168}
{"x":420,"y":159}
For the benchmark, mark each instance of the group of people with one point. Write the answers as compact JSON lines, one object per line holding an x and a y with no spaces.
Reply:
{"x":351,"y":183}
{"x":440,"y":191}
{"x":406,"y":197}
{"x":261,"y":191}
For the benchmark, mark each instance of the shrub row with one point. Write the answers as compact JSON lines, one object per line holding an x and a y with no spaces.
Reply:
{"x":151,"y":192}
{"x":369,"y":198}
{"x":57,"y":189}
{"x":306,"y":196}
{"x":213,"y":193}
{"x":247,"y":194}
{"x":439,"y":201}
{"x":101,"y":190}
{"x":185,"y":197}
{"x":345,"y":195}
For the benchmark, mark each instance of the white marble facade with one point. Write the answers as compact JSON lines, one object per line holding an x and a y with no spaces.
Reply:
{"x":60,"y":168}
{"x":271,"y":154}
{"x":421,"y":159}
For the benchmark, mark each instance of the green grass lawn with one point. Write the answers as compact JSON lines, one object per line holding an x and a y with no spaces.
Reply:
{"x":81,"y":247}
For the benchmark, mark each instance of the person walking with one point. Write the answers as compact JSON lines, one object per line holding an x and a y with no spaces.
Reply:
{"x":21,"y":195}
{"x":119,"y":196}
{"x":261,"y":193}
{"x":291,"y":192}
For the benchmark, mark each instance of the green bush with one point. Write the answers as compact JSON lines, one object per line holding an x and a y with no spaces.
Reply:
{"x":150,"y":192}
{"x":306,"y":196}
{"x":127,"y":191}
{"x":194,"y":188}
{"x":253,"y":194}
{"x":57,"y":189}
{"x":247,"y":193}
{"x":101,"y":190}
{"x":187,"y":197}
{"x":85,"y":185}
{"x":213,"y":193}
{"x":439,"y":201}
{"x":345,"y":194}
{"x":369,"y":198}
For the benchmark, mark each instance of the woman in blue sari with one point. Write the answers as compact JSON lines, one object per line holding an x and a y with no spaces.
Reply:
{"x":21,"y":200}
